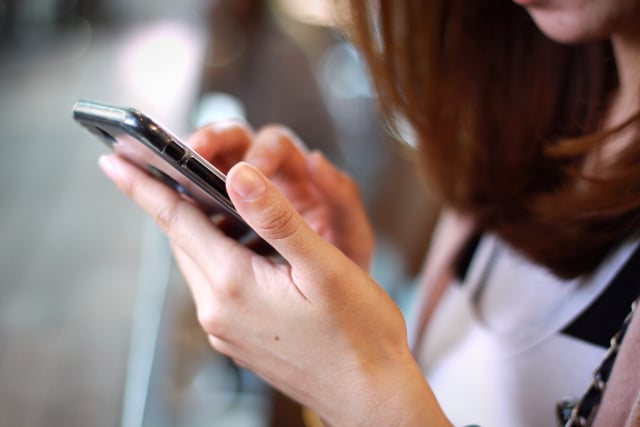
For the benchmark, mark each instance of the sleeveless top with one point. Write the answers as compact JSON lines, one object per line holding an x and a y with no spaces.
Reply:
{"x":509,"y":339}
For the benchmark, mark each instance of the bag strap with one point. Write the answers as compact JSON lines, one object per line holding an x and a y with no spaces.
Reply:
{"x":623,"y":288}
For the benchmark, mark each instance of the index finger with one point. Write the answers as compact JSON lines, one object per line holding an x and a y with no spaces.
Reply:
{"x":222,"y":143}
{"x":278,"y":151}
{"x":184,"y":223}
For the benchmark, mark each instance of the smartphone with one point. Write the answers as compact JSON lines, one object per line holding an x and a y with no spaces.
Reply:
{"x":144,"y":142}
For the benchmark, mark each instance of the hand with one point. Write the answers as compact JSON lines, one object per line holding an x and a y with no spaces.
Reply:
{"x":318,"y":327}
{"x":325,"y":197}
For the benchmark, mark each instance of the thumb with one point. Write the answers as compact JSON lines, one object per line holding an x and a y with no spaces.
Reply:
{"x":272,"y":217}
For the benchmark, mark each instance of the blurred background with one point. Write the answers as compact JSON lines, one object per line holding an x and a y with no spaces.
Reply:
{"x":96,"y":325}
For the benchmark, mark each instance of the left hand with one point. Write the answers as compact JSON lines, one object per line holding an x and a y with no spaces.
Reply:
{"x":325,"y":197}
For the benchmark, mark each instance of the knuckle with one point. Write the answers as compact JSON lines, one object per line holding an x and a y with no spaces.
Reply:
{"x":243,"y":127}
{"x":281,"y":135}
{"x":274,"y":129}
{"x":233,"y":122}
{"x":166,"y":216}
{"x":237,"y":129}
{"x":131,"y":189}
{"x":228,"y":290}
{"x":223,"y":347}
{"x":212,"y":320}
{"x":277,"y":222}
{"x":219,"y":345}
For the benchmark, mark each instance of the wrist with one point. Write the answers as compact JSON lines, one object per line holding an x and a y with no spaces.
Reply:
{"x":406,"y":399}
{"x":393,"y":393}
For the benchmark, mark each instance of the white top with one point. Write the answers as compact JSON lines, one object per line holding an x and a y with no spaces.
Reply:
{"x":493,"y":352}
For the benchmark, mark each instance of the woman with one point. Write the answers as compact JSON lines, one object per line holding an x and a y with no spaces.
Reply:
{"x":526,"y":117}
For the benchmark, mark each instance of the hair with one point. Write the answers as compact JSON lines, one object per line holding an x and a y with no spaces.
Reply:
{"x":504,"y":119}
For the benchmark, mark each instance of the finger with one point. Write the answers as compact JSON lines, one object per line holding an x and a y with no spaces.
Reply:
{"x":196,"y":280}
{"x":221,"y":346}
{"x":185,"y":225}
{"x":277,"y":151}
{"x":339,"y":192}
{"x":271,"y":215}
{"x":201,"y":291}
{"x":210,"y":317}
{"x":337,"y":189}
{"x":222,"y":143}
{"x":232,"y":348}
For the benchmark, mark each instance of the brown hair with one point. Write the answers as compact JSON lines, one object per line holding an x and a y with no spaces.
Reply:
{"x":504,"y":119}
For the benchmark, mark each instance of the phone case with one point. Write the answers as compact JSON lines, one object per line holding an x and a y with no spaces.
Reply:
{"x":145,"y":143}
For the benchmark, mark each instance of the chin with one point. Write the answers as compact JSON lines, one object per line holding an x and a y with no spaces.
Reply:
{"x":565,"y":30}
{"x":572,"y":38}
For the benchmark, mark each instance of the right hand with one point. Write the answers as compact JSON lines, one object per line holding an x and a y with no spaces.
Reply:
{"x":327,"y":199}
{"x":317,"y":327}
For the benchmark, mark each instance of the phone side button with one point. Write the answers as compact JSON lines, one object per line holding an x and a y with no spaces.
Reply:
{"x":207,"y":176}
{"x":174,"y":151}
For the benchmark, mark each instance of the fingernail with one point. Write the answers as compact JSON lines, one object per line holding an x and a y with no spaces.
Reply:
{"x":247,"y":182}
{"x":109,"y":167}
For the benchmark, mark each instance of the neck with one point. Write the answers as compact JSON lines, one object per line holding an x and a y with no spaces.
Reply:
{"x":627,"y":53}
{"x":624,"y":103}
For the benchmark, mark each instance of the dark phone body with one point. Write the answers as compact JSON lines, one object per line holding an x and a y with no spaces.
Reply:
{"x":145,"y":143}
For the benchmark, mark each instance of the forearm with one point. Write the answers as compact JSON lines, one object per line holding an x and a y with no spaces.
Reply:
{"x":389,"y":396}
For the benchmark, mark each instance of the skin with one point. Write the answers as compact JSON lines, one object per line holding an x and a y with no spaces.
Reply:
{"x":305,"y":325}
{"x":575,"y":21}
{"x":317,"y":326}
